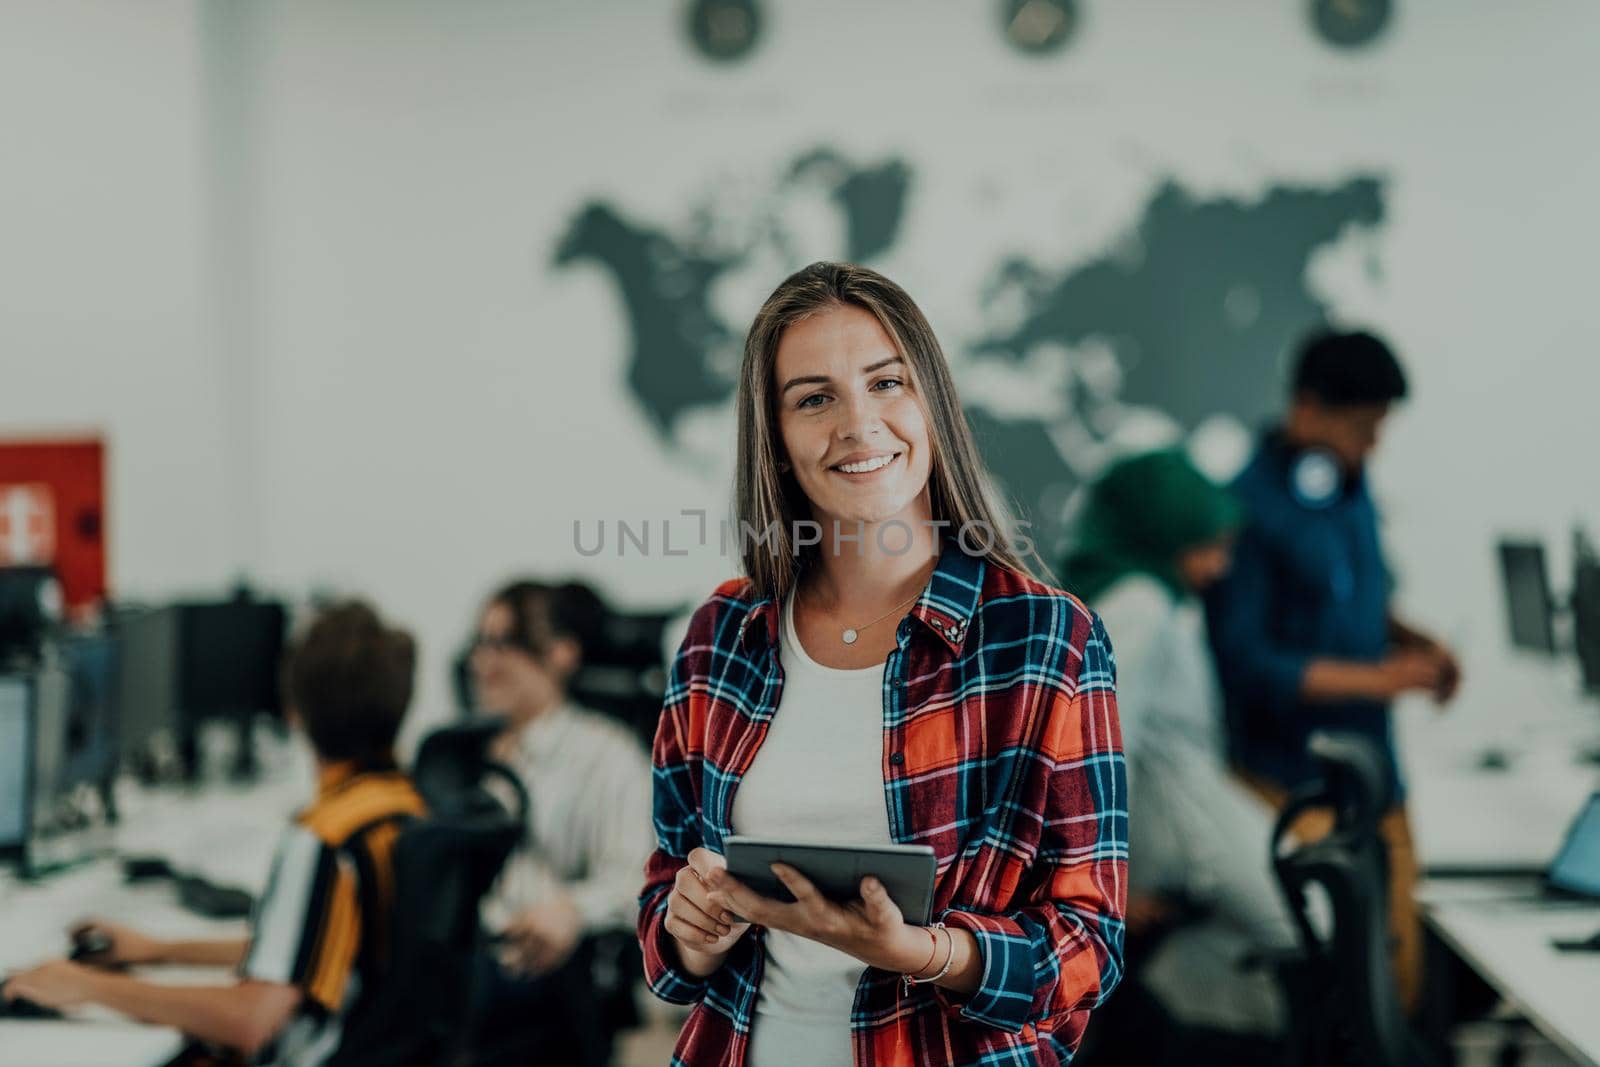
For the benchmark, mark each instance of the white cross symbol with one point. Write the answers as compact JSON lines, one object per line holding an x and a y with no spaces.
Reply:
{"x":27,"y":532}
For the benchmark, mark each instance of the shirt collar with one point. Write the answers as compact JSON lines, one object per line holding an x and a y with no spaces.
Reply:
{"x":946,"y":605}
{"x":1282,"y":455}
{"x":544,"y":733}
{"x":332,"y":776}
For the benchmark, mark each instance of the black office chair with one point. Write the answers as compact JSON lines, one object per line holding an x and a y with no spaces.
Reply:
{"x":420,"y":1014}
{"x":453,"y":771}
{"x":454,"y":774}
{"x":1344,"y":1008}
{"x":1355,"y":784}
{"x":443,"y":866}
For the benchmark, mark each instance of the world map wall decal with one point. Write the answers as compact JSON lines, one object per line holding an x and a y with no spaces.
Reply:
{"x":1194,"y":308}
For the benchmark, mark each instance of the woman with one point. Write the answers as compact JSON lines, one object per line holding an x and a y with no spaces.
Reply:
{"x":1154,"y":533}
{"x":576,"y":876}
{"x":887,"y":671}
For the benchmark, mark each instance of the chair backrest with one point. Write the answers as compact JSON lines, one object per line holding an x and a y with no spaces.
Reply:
{"x":453,"y":772}
{"x":418,"y":1012}
{"x":443,"y":865}
{"x":1357,"y":1007}
{"x":1355,"y":784}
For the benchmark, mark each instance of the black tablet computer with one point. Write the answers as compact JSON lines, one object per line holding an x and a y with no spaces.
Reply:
{"x":906,"y":871}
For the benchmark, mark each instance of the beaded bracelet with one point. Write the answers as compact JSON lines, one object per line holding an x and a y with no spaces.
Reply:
{"x":949,"y":959}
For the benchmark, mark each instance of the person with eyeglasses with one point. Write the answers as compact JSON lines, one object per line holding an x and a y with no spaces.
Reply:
{"x":587,"y":777}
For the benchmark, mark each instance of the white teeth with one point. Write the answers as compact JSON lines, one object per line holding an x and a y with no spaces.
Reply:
{"x":866,"y":465}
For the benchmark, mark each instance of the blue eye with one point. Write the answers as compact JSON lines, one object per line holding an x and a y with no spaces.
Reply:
{"x":807,"y":402}
{"x":887,"y":381}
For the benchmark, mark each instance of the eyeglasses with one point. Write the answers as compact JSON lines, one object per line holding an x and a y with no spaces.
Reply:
{"x":495,"y":643}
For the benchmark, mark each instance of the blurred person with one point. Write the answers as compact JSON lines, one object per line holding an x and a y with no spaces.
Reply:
{"x":898,"y":677}
{"x":588,"y":783}
{"x":1154,"y":533}
{"x":1302,"y":626}
{"x":319,"y":936}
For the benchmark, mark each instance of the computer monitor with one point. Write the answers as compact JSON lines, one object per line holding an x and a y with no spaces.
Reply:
{"x":1576,"y":868}
{"x":90,"y":662}
{"x":147,"y":706}
{"x":184,"y":665}
{"x":69,"y":818}
{"x":227,"y":663}
{"x":16,"y":763}
{"x":1529,"y":606}
{"x":228,"y":658}
{"x":30,"y":604}
{"x":1586,"y":620}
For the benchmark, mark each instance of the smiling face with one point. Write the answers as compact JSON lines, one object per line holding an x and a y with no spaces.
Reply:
{"x":507,"y":678}
{"x":850,"y":422}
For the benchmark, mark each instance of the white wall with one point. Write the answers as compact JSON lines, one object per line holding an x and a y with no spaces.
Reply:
{"x":101,"y":185}
{"x":427,"y":404}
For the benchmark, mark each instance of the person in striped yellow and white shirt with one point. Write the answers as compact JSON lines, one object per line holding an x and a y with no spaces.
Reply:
{"x":320,"y":932}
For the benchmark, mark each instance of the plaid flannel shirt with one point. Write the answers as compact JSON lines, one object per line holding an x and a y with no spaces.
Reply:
{"x":1001,"y":750}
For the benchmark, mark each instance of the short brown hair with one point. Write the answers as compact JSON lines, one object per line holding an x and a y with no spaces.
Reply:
{"x":349,"y":678}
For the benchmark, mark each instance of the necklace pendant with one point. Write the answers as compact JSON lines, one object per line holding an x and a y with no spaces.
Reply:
{"x":849,"y":637}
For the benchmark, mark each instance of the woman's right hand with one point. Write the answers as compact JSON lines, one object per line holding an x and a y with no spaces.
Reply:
{"x":703,"y":929}
{"x":125,"y":945}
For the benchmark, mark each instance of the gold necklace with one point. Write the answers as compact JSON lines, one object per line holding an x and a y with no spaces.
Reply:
{"x":851,"y":634}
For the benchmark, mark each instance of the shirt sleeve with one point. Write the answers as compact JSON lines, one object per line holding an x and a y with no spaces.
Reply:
{"x":619,"y":837}
{"x":676,"y":760}
{"x":1254,"y":669}
{"x":1134,"y":609}
{"x":1062,"y":951}
{"x":307,"y":925}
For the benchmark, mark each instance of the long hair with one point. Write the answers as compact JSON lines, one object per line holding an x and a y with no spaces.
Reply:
{"x":768,"y":503}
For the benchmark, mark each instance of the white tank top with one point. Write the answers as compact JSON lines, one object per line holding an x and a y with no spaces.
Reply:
{"x":818,"y":776}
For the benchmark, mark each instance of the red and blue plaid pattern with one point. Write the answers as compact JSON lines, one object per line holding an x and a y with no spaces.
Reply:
{"x":1001,"y":749}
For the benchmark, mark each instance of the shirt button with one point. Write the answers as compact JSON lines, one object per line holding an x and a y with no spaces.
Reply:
{"x":897,"y":683}
{"x":897,"y":758}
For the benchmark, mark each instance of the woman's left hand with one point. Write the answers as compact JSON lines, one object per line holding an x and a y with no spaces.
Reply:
{"x":869,"y":928}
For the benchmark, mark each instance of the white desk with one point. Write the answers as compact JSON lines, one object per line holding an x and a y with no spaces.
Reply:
{"x":85,"y":1043}
{"x":1506,"y":937}
{"x":224,"y":834}
{"x":1467,"y":816}
{"x":1464,"y":815}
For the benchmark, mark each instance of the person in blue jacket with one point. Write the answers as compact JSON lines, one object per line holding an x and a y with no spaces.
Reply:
{"x":1302,"y":627}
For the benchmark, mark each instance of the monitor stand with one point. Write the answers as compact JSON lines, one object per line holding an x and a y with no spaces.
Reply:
{"x":246,"y":765}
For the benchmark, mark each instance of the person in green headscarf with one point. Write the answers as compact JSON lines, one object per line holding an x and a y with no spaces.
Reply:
{"x":1155,"y":515}
{"x":1152,"y":534}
